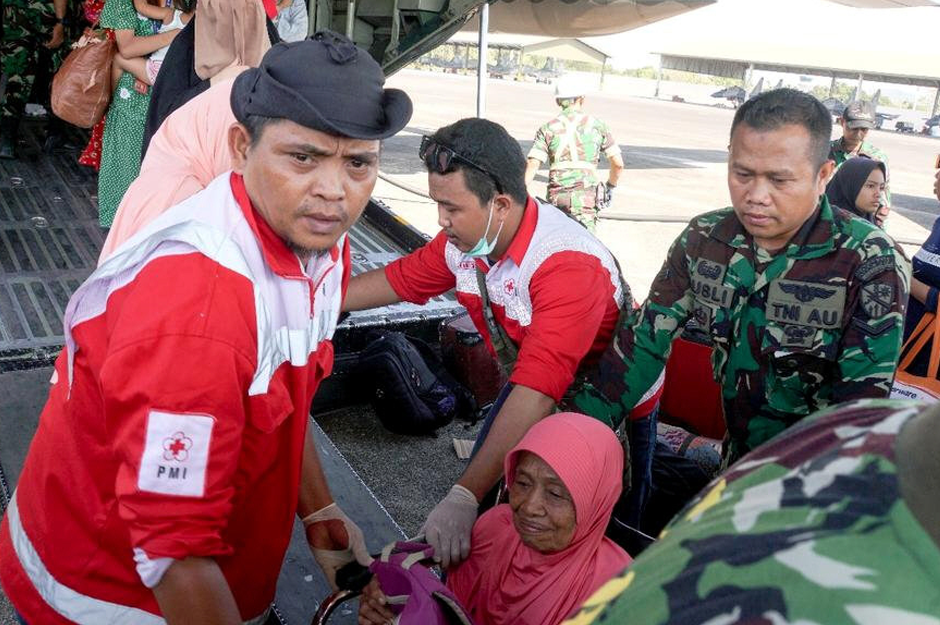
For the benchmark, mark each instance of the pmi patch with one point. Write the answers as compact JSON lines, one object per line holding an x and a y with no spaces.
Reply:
{"x":176,"y":454}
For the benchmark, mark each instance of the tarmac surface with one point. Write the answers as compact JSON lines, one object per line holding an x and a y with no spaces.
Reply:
{"x":675,"y":155}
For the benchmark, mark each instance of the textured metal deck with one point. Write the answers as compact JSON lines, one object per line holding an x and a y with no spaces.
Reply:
{"x":50,"y":240}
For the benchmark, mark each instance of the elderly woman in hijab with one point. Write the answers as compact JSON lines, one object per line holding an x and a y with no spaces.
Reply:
{"x":859,"y":187}
{"x":537,"y":558}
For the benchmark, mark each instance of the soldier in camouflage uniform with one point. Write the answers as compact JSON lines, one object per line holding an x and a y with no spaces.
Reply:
{"x":572,"y":143}
{"x":836,"y":521}
{"x":29,"y":26}
{"x":857,"y":119}
{"x":804,"y":303}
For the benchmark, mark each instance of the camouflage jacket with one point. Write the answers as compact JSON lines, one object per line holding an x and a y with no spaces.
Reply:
{"x":572,"y":144}
{"x":838,"y":154}
{"x":27,"y":17}
{"x":818,"y":323}
{"x":811,"y":528}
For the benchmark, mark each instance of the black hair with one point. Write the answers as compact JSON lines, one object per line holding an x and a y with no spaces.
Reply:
{"x":255,"y":125}
{"x":488,"y":145}
{"x":568,"y":101}
{"x":186,"y":6}
{"x":782,"y":107}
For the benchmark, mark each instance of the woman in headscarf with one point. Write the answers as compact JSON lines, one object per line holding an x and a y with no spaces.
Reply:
{"x":858,"y":187}
{"x":537,"y":558}
{"x":224,"y":34}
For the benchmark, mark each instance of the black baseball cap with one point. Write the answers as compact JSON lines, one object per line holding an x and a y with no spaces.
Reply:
{"x":859,"y":115}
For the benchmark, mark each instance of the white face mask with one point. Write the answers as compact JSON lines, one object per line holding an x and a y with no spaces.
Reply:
{"x":484,"y":247}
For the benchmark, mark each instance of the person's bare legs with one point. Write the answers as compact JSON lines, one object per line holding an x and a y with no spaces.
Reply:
{"x":136,"y":66}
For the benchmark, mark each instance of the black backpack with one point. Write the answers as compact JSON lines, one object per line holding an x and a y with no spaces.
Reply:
{"x":408,"y":386}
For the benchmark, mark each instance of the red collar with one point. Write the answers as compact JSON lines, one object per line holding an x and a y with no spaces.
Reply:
{"x":520,"y":242}
{"x":277,"y":255}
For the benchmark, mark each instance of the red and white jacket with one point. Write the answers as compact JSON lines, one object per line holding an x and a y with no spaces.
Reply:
{"x":176,"y":419}
{"x":556,"y":292}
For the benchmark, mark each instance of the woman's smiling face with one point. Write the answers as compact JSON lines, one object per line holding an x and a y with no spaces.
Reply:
{"x":543,"y":510}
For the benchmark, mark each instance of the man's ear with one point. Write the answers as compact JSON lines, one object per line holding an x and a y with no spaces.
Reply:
{"x":824,"y":175}
{"x":239,"y":142}
{"x":502,"y":203}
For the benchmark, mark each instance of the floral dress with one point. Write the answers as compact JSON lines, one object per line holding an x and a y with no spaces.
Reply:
{"x":124,"y":124}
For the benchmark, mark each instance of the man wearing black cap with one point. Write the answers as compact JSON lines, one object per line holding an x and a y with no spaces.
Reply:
{"x":173,"y":451}
{"x":857,"y":120}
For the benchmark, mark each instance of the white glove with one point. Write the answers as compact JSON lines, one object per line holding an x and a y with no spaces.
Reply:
{"x":448,"y":527}
{"x":330,"y":560}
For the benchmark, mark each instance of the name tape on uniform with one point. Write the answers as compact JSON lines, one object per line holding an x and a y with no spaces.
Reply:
{"x":176,"y":454}
{"x":806,"y":303}
{"x":707,"y":278}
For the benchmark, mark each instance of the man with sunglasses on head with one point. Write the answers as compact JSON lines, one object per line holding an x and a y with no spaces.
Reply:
{"x":553,"y":293}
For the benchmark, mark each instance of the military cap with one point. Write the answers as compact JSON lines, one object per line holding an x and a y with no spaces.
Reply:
{"x":326,"y":83}
{"x":859,"y":115}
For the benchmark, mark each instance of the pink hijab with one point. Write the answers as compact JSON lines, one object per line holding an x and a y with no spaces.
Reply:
{"x":188,"y":151}
{"x":503,"y":581}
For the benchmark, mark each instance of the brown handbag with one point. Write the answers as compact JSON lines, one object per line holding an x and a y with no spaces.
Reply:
{"x":81,"y":89}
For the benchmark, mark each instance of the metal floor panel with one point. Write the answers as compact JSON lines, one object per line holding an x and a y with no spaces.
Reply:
{"x":50,"y":241}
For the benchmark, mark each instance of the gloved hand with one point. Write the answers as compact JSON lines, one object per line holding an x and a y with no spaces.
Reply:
{"x":331,"y":560}
{"x":447,"y":528}
{"x":608,"y":193}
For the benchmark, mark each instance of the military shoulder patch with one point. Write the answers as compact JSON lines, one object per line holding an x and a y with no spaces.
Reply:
{"x":873,"y":267}
{"x":874,"y":329}
{"x":877,"y":299}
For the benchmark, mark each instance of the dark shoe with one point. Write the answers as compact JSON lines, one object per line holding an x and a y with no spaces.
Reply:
{"x":52,"y":143}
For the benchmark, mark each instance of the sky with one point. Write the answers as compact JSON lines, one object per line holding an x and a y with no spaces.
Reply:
{"x":797,"y":22}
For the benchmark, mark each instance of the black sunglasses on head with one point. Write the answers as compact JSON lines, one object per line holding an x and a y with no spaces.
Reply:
{"x":439,"y":158}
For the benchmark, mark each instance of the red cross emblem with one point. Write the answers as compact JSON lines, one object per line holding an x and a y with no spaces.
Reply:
{"x":509,"y":286}
{"x":176,"y":447}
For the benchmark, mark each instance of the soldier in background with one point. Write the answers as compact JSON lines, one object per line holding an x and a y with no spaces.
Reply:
{"x":29,"y":27}
{"x":803,"y":303}
{"x":857,"y":119}
{"x":835,"y":521}
{"x":572,"y":143}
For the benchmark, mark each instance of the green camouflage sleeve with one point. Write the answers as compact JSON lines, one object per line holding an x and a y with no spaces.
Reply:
{"x":609,"y":145}
{"x":871,"y":342}
{"x":639,"y":350}
{"x":539,"y":149}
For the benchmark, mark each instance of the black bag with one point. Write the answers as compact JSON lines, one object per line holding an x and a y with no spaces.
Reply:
{"x":408,"y":386}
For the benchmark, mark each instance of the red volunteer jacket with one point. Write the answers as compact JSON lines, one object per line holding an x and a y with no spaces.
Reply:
{"x":556,"y":292}
{"x":176,"y":419}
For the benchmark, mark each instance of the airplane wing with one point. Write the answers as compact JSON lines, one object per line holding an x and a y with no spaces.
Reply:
{"x":886,"y":4}
{"x":564,"y":18}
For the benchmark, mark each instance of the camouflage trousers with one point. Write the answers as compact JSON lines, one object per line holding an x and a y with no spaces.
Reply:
{"x":26,"y":27}
{"x":578,"y":203}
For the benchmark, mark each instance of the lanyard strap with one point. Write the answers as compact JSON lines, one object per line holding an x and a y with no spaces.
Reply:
{"x":506,"y":351}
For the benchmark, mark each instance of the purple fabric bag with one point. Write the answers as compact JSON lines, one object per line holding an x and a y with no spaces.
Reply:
{"x":415,"y":594}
